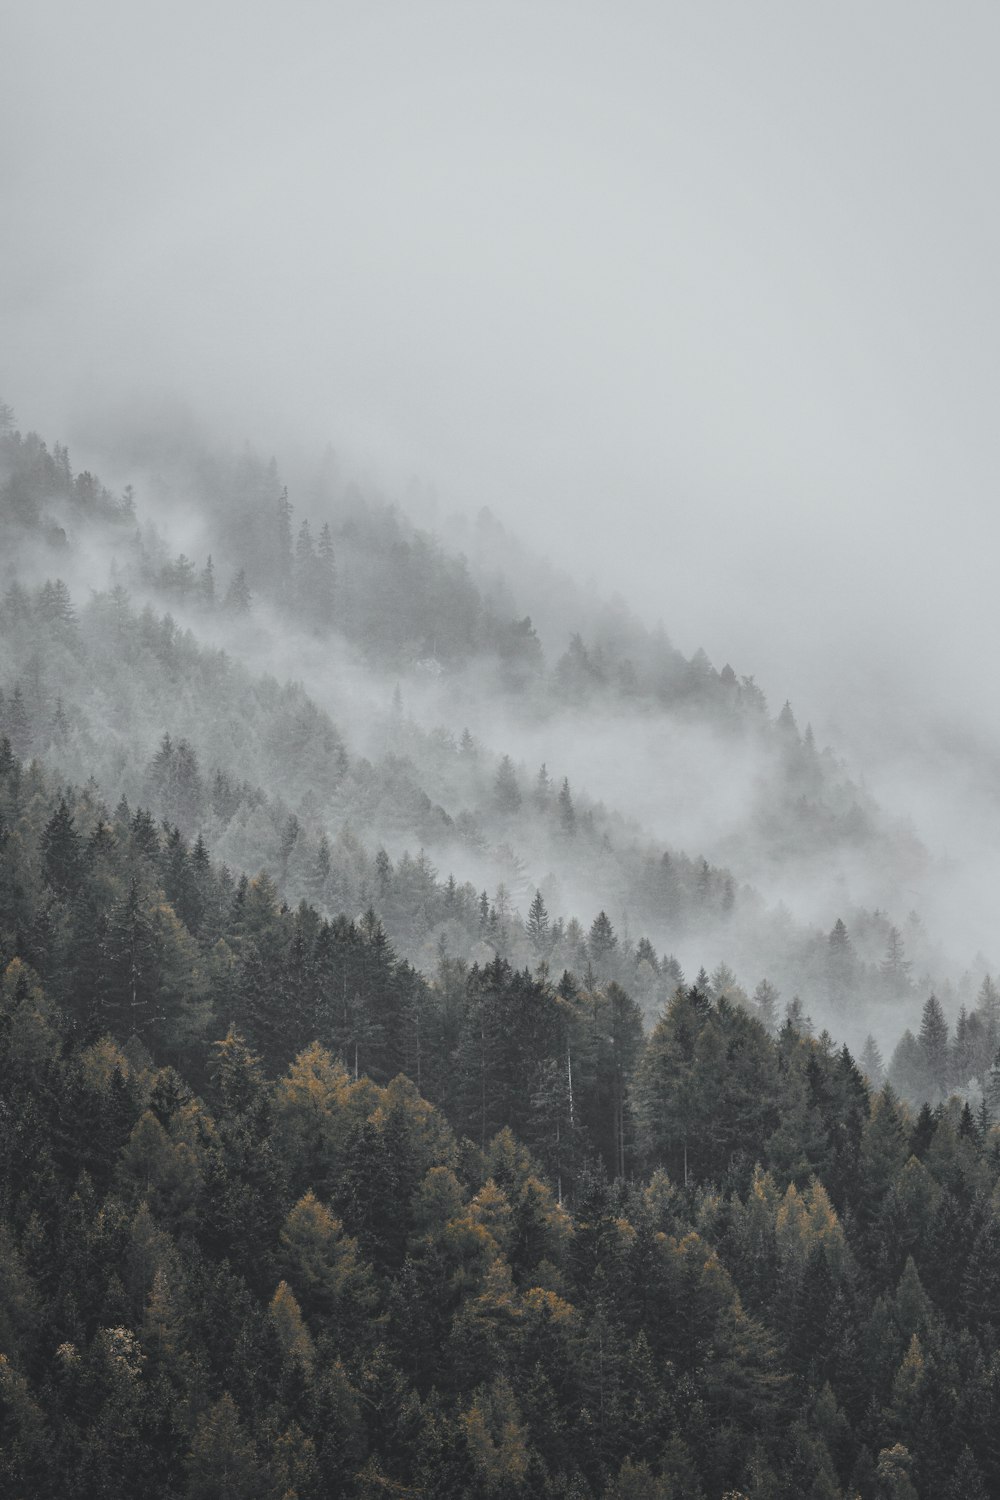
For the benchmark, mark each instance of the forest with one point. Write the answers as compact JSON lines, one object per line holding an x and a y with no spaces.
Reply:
{"x":388,"y":1113}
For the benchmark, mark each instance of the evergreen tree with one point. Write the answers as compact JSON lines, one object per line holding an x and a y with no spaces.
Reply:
{"x":223,"y":1463}
{"x":840,"y":964}
{"x":895,"y":967}
{"x":206,"y":584}
{"x":602,"y":941}
{"x":988,"y":1010}
{"x":238,"y":597}
{"x":61,"y":852}
{"x":282,"y":558}
{"x":537,"y":926}
{"x":765,"y":999}
{"x":132,"y":968}
{"x":871,"y":1062}
{"x":507,"y":793}
{"x":17,"y":726}
{"x":934,"y":1044}
{"x":567,"y":813}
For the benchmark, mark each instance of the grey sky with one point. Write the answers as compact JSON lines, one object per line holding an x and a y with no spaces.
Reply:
{"x":702,"y":298}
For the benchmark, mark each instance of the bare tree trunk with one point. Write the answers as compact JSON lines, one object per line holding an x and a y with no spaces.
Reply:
{"x":558,"y":1162}
{"x":569,"y":1077}
{"x":482,"y":1081}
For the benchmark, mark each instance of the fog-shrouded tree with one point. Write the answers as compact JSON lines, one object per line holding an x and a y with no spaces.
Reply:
{"x":602,"y":942}
{"x":567,"y":812}
{"x":537,"y":925}
{"x":765,"y":999}
{"x":895,"y":966}
{"x":325,"y":1172}
{"x":238,"y":597}
{"x":507,"y":792}
{"x":934,"y":1044}
{"x":871,"y":1062}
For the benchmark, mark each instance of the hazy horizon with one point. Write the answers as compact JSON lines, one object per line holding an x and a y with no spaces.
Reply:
{"x":699,"y":302}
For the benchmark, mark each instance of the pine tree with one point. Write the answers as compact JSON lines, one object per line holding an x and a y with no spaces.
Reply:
{"x":988,"y":1009}
{"x":991,"y":1092}
{"x":871,"y":1062}
{"x":934,"y":1044}
{"x":795,"y":1014}
{"x":55,"y":606}
{"x":765,"y":999}
{"x":61,"y":851}
{"x":238,"y":597}
{"x":786,"y":723}
{"x":506,"y":791}
{"x":908,"y":1068}
{"x":304,"y":593}
{"x":17,"y":727}
{"x":145,"y":838}
{"x":884,"y":1149}
{"x":174,"y":779}
{"x":537,"y":926}
{"x":967,"y":1481}
{"x":289,"y":838}
{"x":602,"y":941}
{"x":567,"y":814}
{"x":132,"y":968}
{"x":325,"y":578}
{"x":223,"y":1463}
{"x":666,"y":1092}
{"x":283,"y":548}
{"x":895,"y":967}
{"x":206,"y":584}
{"x":292,"y":1335}
{"x":840,"y":963}
{"x":60,"y":724}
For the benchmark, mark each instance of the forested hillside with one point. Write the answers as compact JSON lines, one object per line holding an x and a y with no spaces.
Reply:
{"x":279,"y":694}
{"x":384,"y":1114}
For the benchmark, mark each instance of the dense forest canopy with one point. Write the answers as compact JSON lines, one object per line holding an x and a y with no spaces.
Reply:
{"x":386,"y":1112}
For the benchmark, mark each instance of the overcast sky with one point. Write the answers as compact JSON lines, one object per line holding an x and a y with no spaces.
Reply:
{"x":703,"y":298}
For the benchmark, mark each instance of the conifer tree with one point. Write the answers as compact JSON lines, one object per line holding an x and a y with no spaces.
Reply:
{"x":61,"y":852}
{"x":537,"y":926}
{"x":602,"y":941}
{"x":238,"y":597}
{"x":17,"y":724}
{"x":988,"y":1009}
{"x":871,"y":1062}
{"x":895,"y":967}
{"x":567,"y":813}
{"x":206,"y":584}
{"x":506,"y":790}
{"x":934,"y":1044}
{"x":132,"y":969}
{"x":223,"y":1463}
{"x":765,"y":999}
{"x":840,"y":963}
{"x":283,"y":547}
{"x":326,"y":553}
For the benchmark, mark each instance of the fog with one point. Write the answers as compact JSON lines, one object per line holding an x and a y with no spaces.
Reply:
{"x":700,"y":301}
{"x":705,"y":299}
